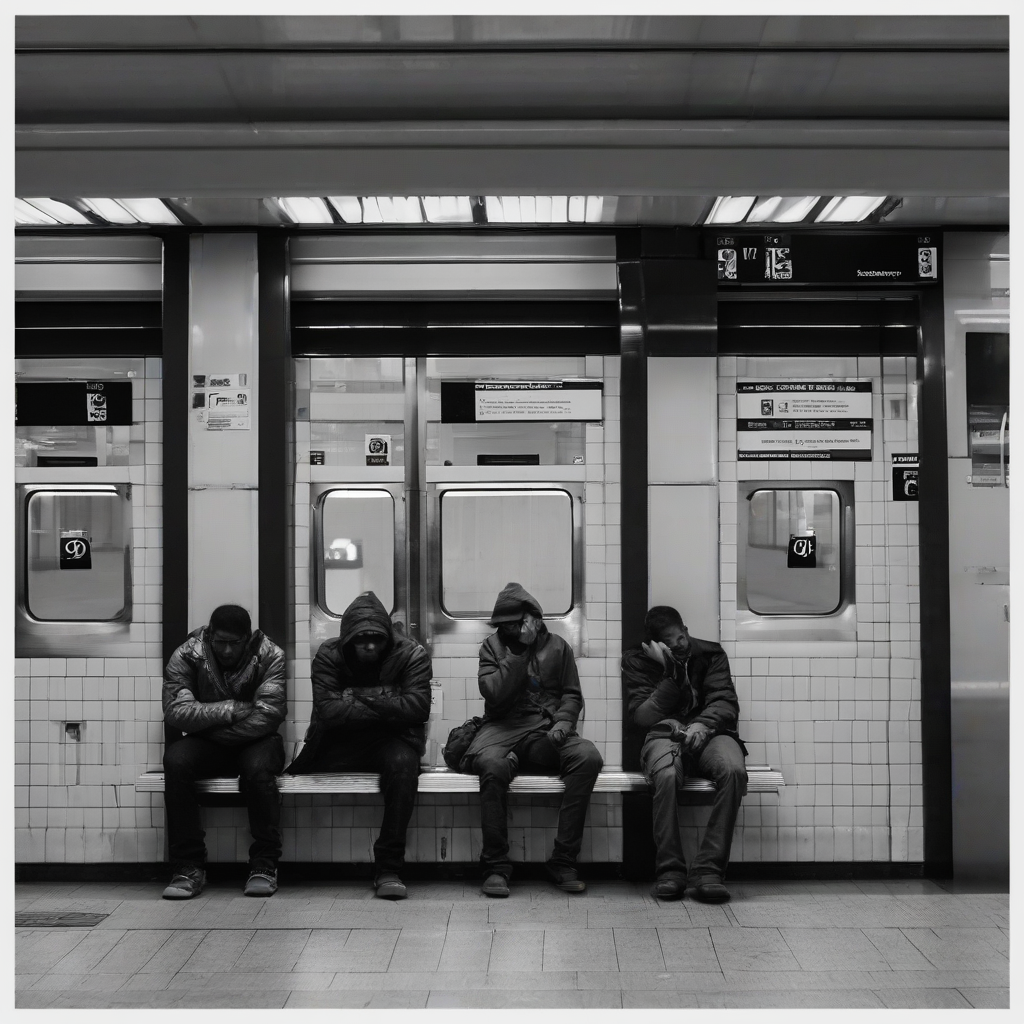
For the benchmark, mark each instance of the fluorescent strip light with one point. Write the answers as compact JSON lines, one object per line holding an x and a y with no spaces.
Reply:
{"x":448,"y":209}
{"x":781,"y":209}
{"x":492,"y":207}
{"x":301,"y":209}
{"x":408,"y":209}
{"x":387,"y":210}
{"x":110,"y":210}
{"x":595,"y":206}
{"x":510,"y":205}
{"x":150,"y":211}
{"x":730,"y":209}
{"x":26,"y":213}
{"x":849,"y":209}
{"x":559,"y":209}
{"x":371,"y":211}
{"x":528,"y":209}
{"x":577,"y":208}
{"x":60,"y":212}
{"x":348,"y":208}
{"x":543,"y":209}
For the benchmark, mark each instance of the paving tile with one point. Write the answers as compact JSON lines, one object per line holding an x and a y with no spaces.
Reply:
{"x":81,"y":982}
{"x":174,"y":953}
{"x":953,"y":951}
{"x":449,"y":981}
{"x":833,"y":949}
{"x":899,"y":952}
{"x":634,"y":1000}
{"x":590,"y":949}
{"x":146,"y":982}
{"x":987,"y":998}
{"x":638,"y":949}
{"x":169,"y":999}
{"x":285,"y":981}
{"x":922,"y":998}
{"x":358,"y":951}
{"x":752,"y":949}
{"x":82,"y":905}
{"x":355,"y":999}
{"x":512,"y":999}
{"x":994,"y":937}
{"x":688,"y":949}
{"x":132,"y":952}
{"x":468,"y":950}
{"x":603,"y":917}
{"x":701,"y":915}
{"x":218,"y":951}
{"x":271,"y":949}
{"x":517,"y":950}
{"x":781,"y":914}
{"x":941,"y":979}
{"x":38,"y":953}
{"x":651,"y":981}
{"x":87,"y":953}
{"x":32,"y":1000}
{"x":810,"y":998}
{"x":418,"y":949}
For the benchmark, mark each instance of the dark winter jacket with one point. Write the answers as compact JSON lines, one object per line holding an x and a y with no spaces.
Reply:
{"x":700,"y":690}
{"x":542,"y":676}
{"x":233,"y":707}
{"x":395,"y":699}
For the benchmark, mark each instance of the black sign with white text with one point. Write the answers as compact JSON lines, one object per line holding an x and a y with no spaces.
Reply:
{"x":802,"y":552}
{"x":904,"y":477}
{"x":74,"y":403}
{"x":75,"y":552}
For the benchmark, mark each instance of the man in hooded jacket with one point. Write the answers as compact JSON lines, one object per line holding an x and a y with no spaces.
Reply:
{"x":681,"y":696}
{"x":532,"y":700}
{"x":371,"y":698}
{"x":224,"y":688}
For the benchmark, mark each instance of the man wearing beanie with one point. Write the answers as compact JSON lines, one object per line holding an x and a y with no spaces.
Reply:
{"x":371,"y":699}
{"x":532,"y":700}
{"x":681,"y":696}
{"x":224,"y":688}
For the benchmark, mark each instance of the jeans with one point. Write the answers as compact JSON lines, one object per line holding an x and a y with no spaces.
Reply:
{"x":398,"y":765}
{"x":665,"y":767}
{"x":257,"y":766}
{"x":577,"y":761}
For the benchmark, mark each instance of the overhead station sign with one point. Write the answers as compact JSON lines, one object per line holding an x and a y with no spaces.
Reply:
{"x":511,"y":401}
{"x":826,"y":419}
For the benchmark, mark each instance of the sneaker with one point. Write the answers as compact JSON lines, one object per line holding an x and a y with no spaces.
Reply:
{"x":261,"y":882}
{"x":186,"y":883}
{"x":712,"y":892}
{"x":565,"y":877}
{"x":667,"y":889}
{"x":390,"y":887}
{"x":495,"y":885}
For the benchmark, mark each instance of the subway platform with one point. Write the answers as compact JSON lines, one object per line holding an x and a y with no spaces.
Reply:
{"x":900,"y":944}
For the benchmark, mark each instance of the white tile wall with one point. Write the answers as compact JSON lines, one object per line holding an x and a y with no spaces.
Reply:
{"x":76,"y":802}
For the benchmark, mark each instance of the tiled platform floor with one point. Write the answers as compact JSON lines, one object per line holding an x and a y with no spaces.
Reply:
{"x":777,"y":944}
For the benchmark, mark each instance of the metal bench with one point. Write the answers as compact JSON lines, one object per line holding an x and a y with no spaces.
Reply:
{"x":760,"y":779}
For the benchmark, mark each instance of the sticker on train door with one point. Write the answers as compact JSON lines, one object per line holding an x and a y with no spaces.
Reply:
{"x":378,"y":449}
{"x":802,"y":553}
{"x":75,"y":552}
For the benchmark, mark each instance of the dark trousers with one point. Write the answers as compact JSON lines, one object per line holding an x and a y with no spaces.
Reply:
{"x":577,"y":761}
{"x":398,"y":765}
{"x":666,"y":767}
{"x":257,"y":766}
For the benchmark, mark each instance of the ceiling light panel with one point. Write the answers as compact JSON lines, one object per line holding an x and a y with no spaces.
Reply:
{"x":781,"y":209}
{"x":26,"y":213}
{"x":372,"y":213}
{"x":349,"y":208}
{"x":577,"y":209}
{"x":149,"y":211}
{"x":300,"y":209}
{"x":109,"y":210}
{"x":60,"y":212}
{"x":849,"y":209}
{"x":448,"y":209}
{"x":595,"y":207}
{"x":730,"y":209}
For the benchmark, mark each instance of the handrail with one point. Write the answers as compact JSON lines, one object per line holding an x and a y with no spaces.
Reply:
{"x":1002,"y":463}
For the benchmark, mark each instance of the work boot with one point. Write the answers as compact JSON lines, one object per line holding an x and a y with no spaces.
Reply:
{"x":565,"y":877}
{"x":261,"y":882}
{"x":667,"y":889}
{"x":389,"y":886}
{"x":187,"y":882}
{"x":712,"y":892}
{"x":495,"y":885}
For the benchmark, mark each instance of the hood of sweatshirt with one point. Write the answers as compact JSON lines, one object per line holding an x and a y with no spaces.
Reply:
{"x":512,"y":602}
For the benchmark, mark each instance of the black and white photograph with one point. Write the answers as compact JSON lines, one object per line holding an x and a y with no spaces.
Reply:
{"x":511,"y":510}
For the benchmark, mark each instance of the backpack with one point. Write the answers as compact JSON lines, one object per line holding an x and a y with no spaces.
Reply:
{"x":459,"y":740}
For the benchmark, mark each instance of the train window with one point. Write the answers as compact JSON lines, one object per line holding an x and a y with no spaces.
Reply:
{"x":490,"y":537}
{"x":793,"y":552}
{"x":76,"y":563}
{"x":357,"y":529}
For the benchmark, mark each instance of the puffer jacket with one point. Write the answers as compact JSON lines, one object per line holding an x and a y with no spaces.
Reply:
{"x":699,"y":691}
{"x":232,"y":708}
{"x":398,"y":702}
{"x":543,"y":676}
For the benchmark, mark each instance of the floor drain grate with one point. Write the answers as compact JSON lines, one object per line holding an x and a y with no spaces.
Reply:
{"x":55,"y":919}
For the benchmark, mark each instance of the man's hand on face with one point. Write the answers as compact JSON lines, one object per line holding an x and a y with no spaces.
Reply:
{"x":529,"y":629}
{"x":662,"y":654}
{"x":558,"y":734}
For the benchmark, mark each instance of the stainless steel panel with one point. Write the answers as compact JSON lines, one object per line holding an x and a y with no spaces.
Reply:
{"x":776,"y":603}
{"x":72,"y":612}
{"x":493,"y":559}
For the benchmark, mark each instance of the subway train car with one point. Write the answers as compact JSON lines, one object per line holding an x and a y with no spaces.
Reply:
{"x":759,"y":372}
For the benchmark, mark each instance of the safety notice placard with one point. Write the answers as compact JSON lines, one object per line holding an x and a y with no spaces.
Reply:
{"x":827,"y":419}
{"x":494,"y":401}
